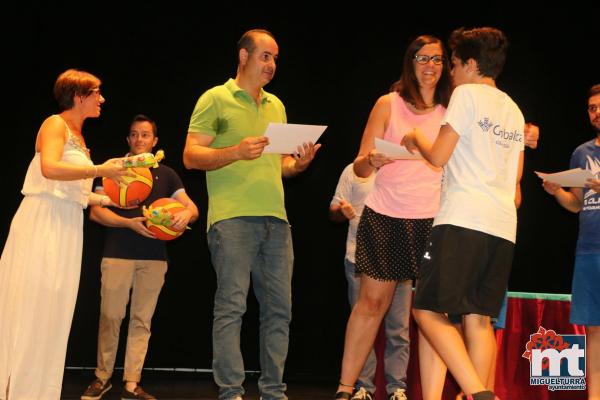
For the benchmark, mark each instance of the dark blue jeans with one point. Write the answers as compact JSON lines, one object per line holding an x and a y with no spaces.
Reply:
{"x":259,"y":248}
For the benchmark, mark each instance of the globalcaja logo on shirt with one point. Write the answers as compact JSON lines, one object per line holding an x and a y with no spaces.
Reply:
{"x":556,"y":361}
{"x":504,"y":137}
{"x":485,"y":124}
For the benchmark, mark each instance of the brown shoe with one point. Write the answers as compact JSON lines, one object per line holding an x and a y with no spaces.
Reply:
{"x":96,"y":390}
{"x":137,"y":394}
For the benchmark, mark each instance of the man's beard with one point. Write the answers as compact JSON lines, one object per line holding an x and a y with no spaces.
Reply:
{"x":596,"y":125}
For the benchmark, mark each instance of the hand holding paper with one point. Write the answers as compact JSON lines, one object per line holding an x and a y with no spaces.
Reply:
{"x":575,"y":177}
{"x":594,"y":184}
{"x":291,"y":138}
{"x":378,"y":160}
{"x":252,"y":147}
{"x":395,"y":151}
{"x":305,"y":154}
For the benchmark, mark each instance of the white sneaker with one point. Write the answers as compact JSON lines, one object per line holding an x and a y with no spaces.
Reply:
{"x":362,"y":394}
{"x":399,"y":394}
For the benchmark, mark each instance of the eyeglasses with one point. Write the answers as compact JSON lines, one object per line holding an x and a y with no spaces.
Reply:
{"x":423,"y":59}
{"x":593,"y":108}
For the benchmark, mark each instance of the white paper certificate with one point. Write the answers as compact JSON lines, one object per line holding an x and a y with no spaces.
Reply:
{"x":575,"y":177}
{"x":395,"y":151}
{"x":285,"y":138}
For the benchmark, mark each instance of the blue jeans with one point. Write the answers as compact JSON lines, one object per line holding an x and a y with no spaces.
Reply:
{"x":397,"y":345}
{"x":261,"y":248}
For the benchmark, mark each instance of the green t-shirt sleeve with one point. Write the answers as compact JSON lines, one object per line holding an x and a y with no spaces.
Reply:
{"x":205,"y":116}
{"x":282,"y":110}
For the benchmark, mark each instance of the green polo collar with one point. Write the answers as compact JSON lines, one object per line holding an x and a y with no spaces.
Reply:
{"x":237,"y":91}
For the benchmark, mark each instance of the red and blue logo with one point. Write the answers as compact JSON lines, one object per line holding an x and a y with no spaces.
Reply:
{"x":556,"y":360}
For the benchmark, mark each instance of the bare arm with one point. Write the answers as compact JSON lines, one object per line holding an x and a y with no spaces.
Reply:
{"x":368,"y":159}
{"x":198,"y":155}
{"x":532,"y":135}
{"x":107,"y":217}
{"x":190,"y":215}
{"x":50,"y":143}
{"x":518,"y":196}
{"x":102,"y":200}
{"x":571,"y":199}
{"x":437,"y":153}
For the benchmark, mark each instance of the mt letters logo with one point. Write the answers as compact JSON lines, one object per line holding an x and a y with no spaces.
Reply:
{"x":556,"y":361}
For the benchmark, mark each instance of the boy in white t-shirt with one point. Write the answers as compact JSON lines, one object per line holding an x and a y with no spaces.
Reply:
{"x":467,"y":263}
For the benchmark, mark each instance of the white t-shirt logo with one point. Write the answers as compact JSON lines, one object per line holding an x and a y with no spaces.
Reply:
{"x":485,"y":124}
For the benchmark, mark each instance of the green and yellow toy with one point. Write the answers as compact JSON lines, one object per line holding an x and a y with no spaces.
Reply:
{"x":144,"y":160}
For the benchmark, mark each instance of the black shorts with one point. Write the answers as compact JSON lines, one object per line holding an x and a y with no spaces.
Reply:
{"x":463,"y":272}
{"x":388,"y":248}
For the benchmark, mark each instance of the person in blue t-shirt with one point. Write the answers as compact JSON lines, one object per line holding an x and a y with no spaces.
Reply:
{"x":585,"y":303}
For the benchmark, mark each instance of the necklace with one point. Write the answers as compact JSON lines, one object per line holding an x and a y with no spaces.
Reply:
{"x":427,"y":106}
{"x":430,"y":105}
{"x":420,"y":110}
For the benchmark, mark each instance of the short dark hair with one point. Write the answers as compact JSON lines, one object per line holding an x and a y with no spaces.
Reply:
{"x":248,"y":40}
{"x":485,"y":45}
{"x":594,"y":90}
{"x":408,"y":85}
{"x":143,"y":118}
{"x":73,"y":83}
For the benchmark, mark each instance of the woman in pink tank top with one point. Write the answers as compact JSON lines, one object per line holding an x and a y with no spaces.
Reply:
{"x":398,"y":214}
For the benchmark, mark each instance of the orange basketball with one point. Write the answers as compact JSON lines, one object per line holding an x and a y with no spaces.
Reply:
{"x":158,"y":217}
{"x":137,"y":190}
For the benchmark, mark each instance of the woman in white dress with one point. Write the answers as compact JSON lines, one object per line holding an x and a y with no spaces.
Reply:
{"x":41,"y":261}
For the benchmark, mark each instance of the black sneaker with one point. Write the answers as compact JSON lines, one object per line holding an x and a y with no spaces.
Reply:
{"x":138,"y":393}
{"x":485,"y":395}
{"x":362,"y":394}
{"x":96,"y":390}
{"x":343,"y":395}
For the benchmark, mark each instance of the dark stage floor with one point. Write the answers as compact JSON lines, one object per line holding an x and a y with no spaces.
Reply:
{"x":190,"y":385}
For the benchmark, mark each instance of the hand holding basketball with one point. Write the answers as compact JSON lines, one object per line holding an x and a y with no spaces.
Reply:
{"x":181,"y":219}
{"x":161,"y":217}
{"x":138,"y":225}
{"x":114,"y":169}
{"x":135,"y":189}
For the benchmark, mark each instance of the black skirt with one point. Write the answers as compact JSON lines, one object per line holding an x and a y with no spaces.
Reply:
{"x":390,"y":249}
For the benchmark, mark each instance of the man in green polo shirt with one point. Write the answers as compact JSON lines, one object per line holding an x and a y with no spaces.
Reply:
{"x":248,"y":232}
